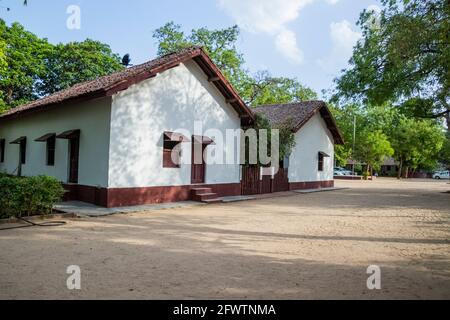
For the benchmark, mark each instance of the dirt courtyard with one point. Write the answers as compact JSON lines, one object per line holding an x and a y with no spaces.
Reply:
{"x":304,"y":246}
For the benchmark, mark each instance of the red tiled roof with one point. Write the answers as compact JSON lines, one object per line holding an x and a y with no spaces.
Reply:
{"x":299,"y":114}
{"x":118,"y":81}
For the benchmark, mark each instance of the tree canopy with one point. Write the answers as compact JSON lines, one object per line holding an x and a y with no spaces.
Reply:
{"x":25,"y":55}
{"x":417,"y":143}
{"x":75,"y":62}
{"x":403,"y":59}
{"x":32,"y":67}
{"x":382,"y":131}
{"x":258,"y":89}
{"x":219,"y":44}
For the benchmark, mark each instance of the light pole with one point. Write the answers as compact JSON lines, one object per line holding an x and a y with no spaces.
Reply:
{"x":354,"y":144}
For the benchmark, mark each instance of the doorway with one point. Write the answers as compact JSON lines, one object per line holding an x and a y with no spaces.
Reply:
{"x":74,"y":152}
{"x":73,"y":137}
{"x":198,"y":163}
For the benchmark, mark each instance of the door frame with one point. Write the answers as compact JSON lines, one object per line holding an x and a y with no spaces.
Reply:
{"x":75,"y":178}
{"x":194,"y":165}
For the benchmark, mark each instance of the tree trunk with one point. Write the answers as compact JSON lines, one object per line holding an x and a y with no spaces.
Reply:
{"x":406,"y":172}
{"x":400,"y":168}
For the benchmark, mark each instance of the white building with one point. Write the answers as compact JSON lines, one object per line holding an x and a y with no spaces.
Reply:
{"x":311,"y":163}
{"x":110,"y":140}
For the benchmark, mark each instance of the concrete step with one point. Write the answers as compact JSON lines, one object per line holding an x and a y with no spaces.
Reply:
{"x":200,"y":191}
{"x":204,"y":196}
{"x":211,"y":201}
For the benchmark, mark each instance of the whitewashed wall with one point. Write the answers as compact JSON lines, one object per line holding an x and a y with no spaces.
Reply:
{"x":92,"y":118}
{"x":310,"y":140}
{"x":171,"y":101}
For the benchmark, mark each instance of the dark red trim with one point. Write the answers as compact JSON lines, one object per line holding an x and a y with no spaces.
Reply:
{"x":348,"y":177}
{"x":94,"y":195}
{"x":225,"y":87}
{"x":121,"y":197}
{"x":311,"y":185}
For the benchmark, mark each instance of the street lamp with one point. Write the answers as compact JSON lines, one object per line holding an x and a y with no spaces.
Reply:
{"x":354,"y":144}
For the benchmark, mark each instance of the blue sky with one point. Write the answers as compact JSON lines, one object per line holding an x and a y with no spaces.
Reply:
{"x":307,"y":39}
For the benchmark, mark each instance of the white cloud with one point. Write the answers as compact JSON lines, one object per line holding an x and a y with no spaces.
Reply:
{"x":286,"y":43}
{"x":343,"y":39}
{"x":270,"y":17}
{"x":332,"y":1}
{"x":343,"y":36}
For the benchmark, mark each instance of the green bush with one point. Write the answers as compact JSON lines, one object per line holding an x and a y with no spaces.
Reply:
{"x":28,"y":196}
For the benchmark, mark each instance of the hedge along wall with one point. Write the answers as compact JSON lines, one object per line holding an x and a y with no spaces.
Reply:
{"x":26,"y":196}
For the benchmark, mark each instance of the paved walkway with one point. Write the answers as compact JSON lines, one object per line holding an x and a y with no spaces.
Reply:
{"x":86,"y":209}
{"x":90,"y":210}
{"x":319,"y":190}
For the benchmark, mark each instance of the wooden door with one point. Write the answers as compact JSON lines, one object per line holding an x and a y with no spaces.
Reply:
{"x":250,"y":183}
{"x":74,"y":152}
{"x":198,"y":170}
{"x":281,"y":181}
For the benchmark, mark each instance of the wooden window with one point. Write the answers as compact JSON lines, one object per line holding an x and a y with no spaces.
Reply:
{"x":171,"y":154}
{"x":2,"y":150}
{"x":50,"y":142}
{"x":22,"y":142}
{"x":23,"y":151}
{"x":172,"y":149}
{"x":321,"y":161}
{"x":51,"y":148}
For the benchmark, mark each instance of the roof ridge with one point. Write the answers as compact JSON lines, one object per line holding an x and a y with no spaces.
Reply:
{"x":110,"y":84}
{"x":289,"y":104}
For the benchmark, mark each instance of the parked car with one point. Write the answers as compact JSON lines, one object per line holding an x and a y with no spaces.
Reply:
{"x":342,"y":172}
{"x":441,"y":175}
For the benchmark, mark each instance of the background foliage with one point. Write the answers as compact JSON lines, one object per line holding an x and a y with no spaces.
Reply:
{"x":31,"y":67}
{"x":261,"y":88}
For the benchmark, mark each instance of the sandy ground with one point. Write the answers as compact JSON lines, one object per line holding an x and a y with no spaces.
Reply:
{"x":305,"y":246}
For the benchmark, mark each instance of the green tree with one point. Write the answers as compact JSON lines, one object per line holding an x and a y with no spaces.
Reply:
{"x":417,"y":143}
{"x":221,"y":47}
{"x":3,"y":64}
{"x":404,"y":59}
{"x":354,"y":119}
{"x":346,"y":116}
{"x":444,"y":156}
{"x":75,"y":62}
{"x":3,"y":67}
{"x":219,"y":44}
{"x":31,"y":67}
{"x":286,"y":137}
{"x":265,"y":89}
{"x":25,"y":56}
{"x":372,"y":149}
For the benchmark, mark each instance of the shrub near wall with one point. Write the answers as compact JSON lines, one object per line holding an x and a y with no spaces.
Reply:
{"x":28,"y":196}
